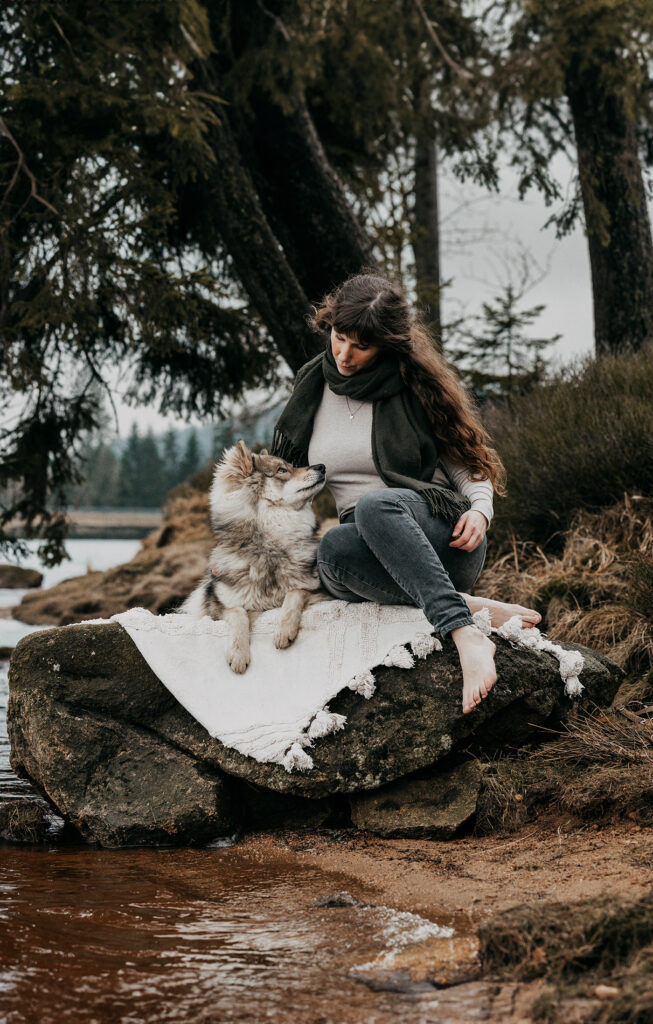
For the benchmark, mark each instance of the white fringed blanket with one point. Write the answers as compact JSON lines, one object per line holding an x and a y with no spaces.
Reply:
{"x":275,"y":710}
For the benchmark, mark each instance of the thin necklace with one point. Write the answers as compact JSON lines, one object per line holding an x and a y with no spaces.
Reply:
{"x":352,"y":414}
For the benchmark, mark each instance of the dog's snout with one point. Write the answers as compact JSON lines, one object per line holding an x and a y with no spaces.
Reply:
{"x":320,"y":468}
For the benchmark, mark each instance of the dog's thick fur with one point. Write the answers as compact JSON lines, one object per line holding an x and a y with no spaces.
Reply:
{"x":265,"y":555}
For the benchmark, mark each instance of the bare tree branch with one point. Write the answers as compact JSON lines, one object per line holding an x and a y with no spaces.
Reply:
{"x":455,"y":67}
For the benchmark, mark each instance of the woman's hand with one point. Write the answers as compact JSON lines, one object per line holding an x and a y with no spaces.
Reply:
{"x":469,"y":531}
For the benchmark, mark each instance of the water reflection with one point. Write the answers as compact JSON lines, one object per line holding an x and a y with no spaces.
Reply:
{"x":188,"y":935}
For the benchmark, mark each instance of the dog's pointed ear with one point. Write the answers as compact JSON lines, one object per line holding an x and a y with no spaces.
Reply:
{"x":244,"y":458}
{"x":263,"y":451}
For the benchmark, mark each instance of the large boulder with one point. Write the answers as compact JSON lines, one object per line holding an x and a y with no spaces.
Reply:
{"x":107,"y":744}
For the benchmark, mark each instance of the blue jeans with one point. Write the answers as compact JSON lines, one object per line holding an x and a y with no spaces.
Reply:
{"x":391,"y":549}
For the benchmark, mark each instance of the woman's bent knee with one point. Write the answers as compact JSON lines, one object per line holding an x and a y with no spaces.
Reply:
{"x":377,"y":502}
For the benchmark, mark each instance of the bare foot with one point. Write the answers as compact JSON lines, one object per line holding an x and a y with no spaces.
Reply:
{"x":476,"y":652}
{"x":500,"y":612}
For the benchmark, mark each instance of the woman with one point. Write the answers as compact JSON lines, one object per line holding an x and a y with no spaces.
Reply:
{"x":395,"y":427}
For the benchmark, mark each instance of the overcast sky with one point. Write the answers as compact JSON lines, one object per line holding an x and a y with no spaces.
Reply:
{"x":483,"y":239}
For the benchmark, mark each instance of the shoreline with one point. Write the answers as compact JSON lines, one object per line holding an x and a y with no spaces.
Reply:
{"x":553,"y":859}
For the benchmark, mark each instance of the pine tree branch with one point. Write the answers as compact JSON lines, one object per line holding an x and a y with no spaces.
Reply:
{"x":277,"y":21}
{"x":22,"y":166}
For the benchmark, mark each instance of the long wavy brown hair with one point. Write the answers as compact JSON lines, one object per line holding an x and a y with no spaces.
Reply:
{"x":375,"y":311}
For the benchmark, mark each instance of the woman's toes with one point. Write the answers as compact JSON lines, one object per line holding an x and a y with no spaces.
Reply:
{"x":532,"y":617}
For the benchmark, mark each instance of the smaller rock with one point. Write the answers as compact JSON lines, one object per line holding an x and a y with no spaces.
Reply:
{"x":606,"y":992}
{"x":337,"y":899}
{"x":392,"y":981}
{"x":432,"y":807}
{"x":12,"y":577}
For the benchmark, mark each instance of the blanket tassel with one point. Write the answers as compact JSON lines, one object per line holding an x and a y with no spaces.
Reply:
{"x":424,"y":644}
{"x":296,"y":757}
{"x":325,"y":722}
{"x":363,"y":683}
{"x":571,"y":662}
{"x":399,"y":657}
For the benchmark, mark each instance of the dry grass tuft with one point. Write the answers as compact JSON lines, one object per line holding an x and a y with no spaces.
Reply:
{"x":560,"y":940}
{"x":23,"y":821}
{"x":641,"y":582}
{"x":598,"y":591}
{"x":600,"y":767}
{"x":574,"y":947}
{"x":619,"y":737}
{"x":604,"y":761}
{"x":500,"y":807}
{"x":624,"y":635}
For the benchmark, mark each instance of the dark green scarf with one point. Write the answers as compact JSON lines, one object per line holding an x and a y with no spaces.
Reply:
{"x":403,"y":447}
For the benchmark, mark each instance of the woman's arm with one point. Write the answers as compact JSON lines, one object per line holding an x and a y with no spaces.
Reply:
{"x":479,"y":492}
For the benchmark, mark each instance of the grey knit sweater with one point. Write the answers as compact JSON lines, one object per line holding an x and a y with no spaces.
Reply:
{"x":344,"y":446}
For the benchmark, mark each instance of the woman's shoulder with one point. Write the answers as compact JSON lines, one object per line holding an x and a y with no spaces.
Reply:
{"x":307,"y":367}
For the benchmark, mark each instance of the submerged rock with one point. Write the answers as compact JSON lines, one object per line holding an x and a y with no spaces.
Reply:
{"x":339,"y":899}
{"x":107,"y":744}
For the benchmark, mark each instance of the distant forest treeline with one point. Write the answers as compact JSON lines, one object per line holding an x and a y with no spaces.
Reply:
{"x":141,"y":471}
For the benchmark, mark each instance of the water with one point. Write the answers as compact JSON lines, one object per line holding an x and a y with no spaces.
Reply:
{"x":191,"y":935}
{"x":221,"y":934}
{"x":85,"y":556}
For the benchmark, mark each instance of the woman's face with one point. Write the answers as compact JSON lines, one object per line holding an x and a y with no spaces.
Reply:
{"x":351,"y":355}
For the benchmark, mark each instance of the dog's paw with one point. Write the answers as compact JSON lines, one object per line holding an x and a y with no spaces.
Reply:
{"x":238,"y":660}
{"x":284,"y":636}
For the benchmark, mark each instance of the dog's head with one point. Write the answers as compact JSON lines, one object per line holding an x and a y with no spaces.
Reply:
{"x":266,"y":477}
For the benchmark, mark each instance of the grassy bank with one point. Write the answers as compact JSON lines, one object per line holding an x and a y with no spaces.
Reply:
{"x":599,"y":768}
{"x":596,"y":957}
{"x":597,"y":591}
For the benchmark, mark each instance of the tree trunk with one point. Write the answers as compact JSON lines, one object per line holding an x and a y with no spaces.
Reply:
{"x":616,"y":217}
{"x":259,"y":261}
{"x":279,"y":207}
{"x":303,"y":198}
{"x":426,"y":232}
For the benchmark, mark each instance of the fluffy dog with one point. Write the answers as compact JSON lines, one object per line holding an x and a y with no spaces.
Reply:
{"x":265,"y":555}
